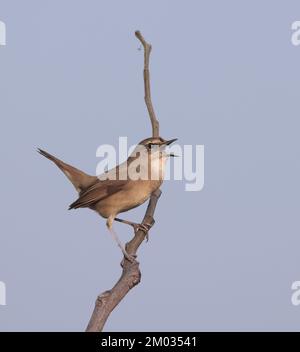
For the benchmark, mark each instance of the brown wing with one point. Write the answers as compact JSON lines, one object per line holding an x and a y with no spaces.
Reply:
{"x":97,"y":192}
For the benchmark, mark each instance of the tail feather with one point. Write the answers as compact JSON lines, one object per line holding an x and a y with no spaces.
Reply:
{"x":78,"y":178}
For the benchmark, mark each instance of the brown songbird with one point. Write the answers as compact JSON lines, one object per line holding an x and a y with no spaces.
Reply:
{"x":122,"y":188}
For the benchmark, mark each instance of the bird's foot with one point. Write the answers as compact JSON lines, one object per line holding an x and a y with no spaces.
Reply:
{"x":143,"y":227}
{"x":130,"y":257}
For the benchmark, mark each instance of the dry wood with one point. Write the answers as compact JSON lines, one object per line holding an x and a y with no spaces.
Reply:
{"x":131,"y":274}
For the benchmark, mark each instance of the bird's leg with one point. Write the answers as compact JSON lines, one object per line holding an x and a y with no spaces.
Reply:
{"x":136,"y":226}
{"x":144,"y":227}
{"x":109,"y":222}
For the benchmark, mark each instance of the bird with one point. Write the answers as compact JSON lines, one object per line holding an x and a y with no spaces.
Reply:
{"x":124,"y":187}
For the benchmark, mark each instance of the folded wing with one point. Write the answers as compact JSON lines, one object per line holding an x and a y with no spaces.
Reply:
{"x":97,"y":192}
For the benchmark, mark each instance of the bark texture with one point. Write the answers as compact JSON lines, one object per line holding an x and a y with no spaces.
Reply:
{"x":131,"y":275}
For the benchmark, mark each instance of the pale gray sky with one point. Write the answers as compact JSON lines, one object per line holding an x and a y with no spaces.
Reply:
{"x":225,"y":75}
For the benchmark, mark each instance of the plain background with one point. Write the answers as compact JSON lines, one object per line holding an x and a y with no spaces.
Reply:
{"x":224,"y":74}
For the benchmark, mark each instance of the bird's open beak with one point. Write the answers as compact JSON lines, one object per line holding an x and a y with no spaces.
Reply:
{"x":170,"y":141}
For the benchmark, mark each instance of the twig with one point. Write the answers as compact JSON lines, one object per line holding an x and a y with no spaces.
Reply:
{"x":147,"y":51}
{"x":131,"y":274}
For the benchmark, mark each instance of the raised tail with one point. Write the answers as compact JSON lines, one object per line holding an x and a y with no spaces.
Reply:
{"x":78,"y":178}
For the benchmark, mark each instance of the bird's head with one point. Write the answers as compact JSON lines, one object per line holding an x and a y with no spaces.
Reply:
{"x":149,"y":158}
{"x":157,"y":144}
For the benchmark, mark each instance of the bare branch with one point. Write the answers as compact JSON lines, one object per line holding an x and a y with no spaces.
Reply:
{"x":148,"y":101}
{"x":131,"y":274}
